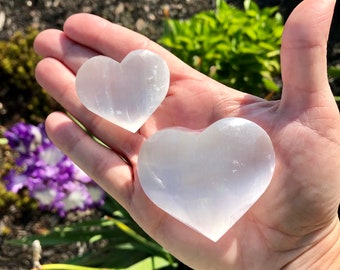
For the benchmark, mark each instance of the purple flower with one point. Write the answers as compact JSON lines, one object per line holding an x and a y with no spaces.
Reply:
{"x":76,"y":196}
{"x":50,"y":176}
{"x":46,"y":196}
{"x":17,"y":181}
{"x":96,"y":194}
{"x":24,"y":138}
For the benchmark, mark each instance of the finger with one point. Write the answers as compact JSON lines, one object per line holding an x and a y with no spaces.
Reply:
{"x":303,"y":56}
{"x":60,"y":83}
{"x":100,"y":163}
{"x":55,"y":44}
{"x":116,"y":41}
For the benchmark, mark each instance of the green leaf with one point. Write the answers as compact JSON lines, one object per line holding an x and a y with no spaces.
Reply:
{"x":83,"y":231}
{"x":334,"y":71}
{"x":246,"y":4}
{"x":68,"y":267}
{"x":251,"y":33}
{"x":111,"y":256}
{"x":267,"y":46}
{"x":270,"y":85}
{"x":150,"y":263}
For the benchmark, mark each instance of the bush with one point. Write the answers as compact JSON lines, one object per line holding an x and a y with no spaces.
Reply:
{"x":20,"y":93}
{"x":239,"y":48}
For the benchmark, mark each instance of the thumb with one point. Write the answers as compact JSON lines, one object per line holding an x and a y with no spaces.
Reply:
{"x":303,"y":56}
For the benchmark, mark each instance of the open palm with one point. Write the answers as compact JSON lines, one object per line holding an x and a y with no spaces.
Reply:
{"x":297,"y":215}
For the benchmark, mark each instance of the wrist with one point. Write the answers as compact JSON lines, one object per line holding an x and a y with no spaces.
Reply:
{"x":325,"y":254}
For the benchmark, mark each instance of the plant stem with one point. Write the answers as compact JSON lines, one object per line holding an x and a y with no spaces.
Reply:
{"x":59,"y":266}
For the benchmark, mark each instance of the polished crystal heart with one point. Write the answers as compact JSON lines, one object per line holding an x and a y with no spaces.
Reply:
{"x":125,"y":93}
{"x":207,"y":180}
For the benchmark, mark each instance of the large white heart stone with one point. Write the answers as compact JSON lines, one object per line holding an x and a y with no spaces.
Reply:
{"x":207,"y":180}
{"x":125,"y":93}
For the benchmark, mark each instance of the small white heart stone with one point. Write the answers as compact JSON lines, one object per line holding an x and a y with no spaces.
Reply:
{"x":207,"y":180}
{"x":125,"y":93}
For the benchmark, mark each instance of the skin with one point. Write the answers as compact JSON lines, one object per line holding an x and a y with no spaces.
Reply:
{"x":294,"y":225}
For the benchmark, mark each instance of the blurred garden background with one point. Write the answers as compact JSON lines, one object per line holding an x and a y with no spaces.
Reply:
{"x":236,"y":42}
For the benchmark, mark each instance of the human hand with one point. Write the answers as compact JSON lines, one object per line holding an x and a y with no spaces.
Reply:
{"x":294,"y":225}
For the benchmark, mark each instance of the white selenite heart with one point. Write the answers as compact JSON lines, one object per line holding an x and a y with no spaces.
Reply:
{"x":207,"y":180}
{"x":125,"y":93}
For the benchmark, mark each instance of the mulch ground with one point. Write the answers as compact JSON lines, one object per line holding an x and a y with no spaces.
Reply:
{"x":143,"y":16}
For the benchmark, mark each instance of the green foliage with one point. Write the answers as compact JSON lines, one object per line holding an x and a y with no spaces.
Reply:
{"x":116,"y":240}
{"x":334,"y":74}
{"x":239,"y":48}
{"x":19,"y":90}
